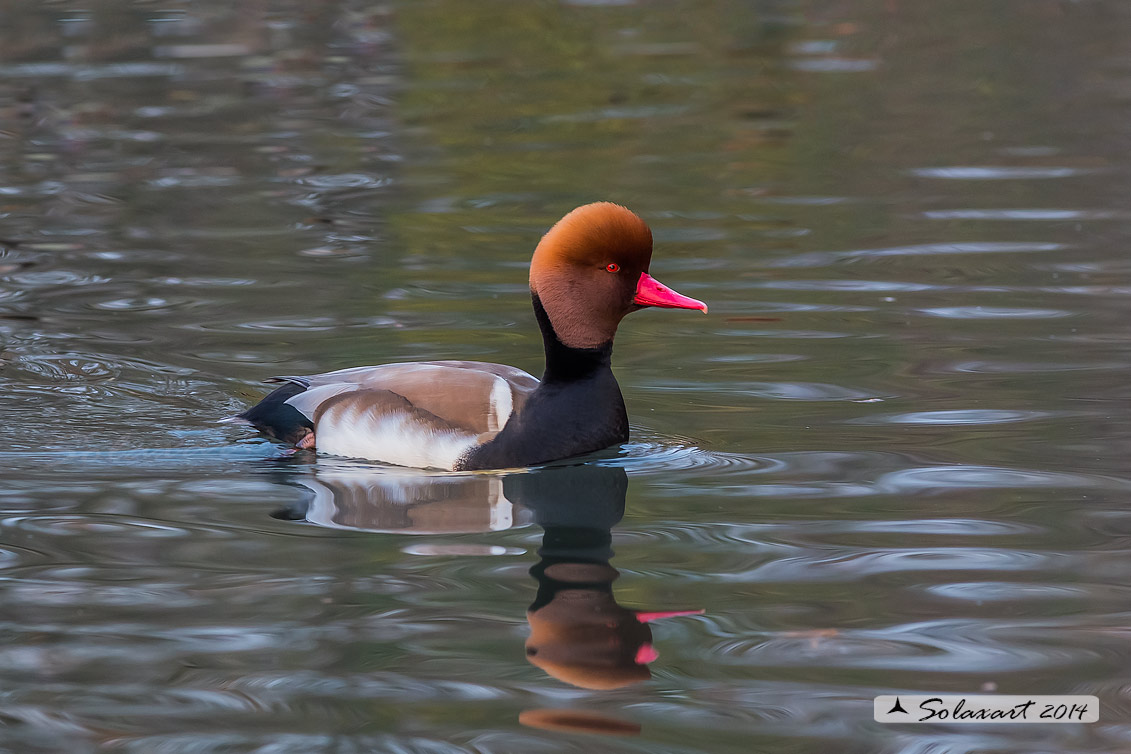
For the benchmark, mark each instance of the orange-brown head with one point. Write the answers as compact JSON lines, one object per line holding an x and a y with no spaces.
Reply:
{"x":591,"y":269}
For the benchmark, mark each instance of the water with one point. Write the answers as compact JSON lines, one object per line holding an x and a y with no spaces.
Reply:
{"x":891,"y":460}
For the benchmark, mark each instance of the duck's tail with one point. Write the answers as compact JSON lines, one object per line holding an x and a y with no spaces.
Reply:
{"x":275,"y":418}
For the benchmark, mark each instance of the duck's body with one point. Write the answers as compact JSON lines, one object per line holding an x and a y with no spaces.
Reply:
{"x":587,"y":273}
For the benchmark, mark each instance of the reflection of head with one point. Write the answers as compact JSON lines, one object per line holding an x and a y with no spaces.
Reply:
{"x":578,"y":633}
{"x":581,"y":635}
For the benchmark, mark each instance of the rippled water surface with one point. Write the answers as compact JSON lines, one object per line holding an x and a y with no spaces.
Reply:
{"x":893,"y":458}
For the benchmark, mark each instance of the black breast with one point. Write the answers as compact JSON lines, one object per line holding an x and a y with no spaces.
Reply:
{"x":558,"y":421}
{"x":576,"y":409}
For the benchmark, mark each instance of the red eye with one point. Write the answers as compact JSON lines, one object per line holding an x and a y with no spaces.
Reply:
{"x":612,"y":267}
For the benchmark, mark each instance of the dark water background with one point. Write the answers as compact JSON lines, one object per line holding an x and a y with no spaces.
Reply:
{"x":893,"y":458}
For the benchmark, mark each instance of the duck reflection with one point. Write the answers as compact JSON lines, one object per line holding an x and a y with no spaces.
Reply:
{"x":404,"y":501}
{"x":578,"y":632}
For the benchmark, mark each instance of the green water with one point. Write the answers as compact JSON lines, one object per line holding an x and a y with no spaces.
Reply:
{"x":892,"y":459}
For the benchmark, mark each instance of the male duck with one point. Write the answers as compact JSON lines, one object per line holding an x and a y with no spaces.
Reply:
{"x":588,"y":272}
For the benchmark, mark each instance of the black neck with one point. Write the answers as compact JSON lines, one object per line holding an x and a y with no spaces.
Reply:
{"x":570,"y":544}
{"x":564,"y":363}
{"x":576,"y":409}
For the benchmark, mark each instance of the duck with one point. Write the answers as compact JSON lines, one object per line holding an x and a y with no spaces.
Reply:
{"x":588,"y":272}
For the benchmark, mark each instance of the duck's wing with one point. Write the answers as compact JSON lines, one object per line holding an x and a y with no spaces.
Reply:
{"x":472,"y":395}
{"x":423,"y":414}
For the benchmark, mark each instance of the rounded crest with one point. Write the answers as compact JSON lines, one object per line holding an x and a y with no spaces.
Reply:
{"x":588,"y":234}
{"x":585,"y":270}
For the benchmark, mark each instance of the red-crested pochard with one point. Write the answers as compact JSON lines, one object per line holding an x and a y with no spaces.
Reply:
{"x":588,"y":272}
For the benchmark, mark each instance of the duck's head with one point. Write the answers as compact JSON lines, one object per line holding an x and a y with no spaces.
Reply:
{"x":591,"y":269}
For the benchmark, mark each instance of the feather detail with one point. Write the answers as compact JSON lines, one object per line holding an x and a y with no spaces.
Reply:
{"x":422,"y":414}
{"x":383,"y":426}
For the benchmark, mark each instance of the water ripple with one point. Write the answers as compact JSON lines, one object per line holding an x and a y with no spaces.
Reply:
{"x":823,"y":258}
{"x":617,"y":113}
{"x":932,"y":479}
{"x":659,"y":454}
{"x":88,"y":71}
{"x":145,"y":304}
{"x":782,"y":391}
{"x":344,"y":180}
{"x":850,"y":286}
{"x":1013,"y":591}
{"x":84,"y":525}
{"x":384,"y":685}
{"x":954,"y":417}
{"x":821,"y":567}
{"x":998,"y":173}
{"x":993,"y":312}
{"x":667,"y":454}
{"x":958,"y":645}
{"x":32,"y":592}
{"x":69,"y":367}
{"x":12,"y":556}
{"x":834,"y":65}
{"x":1026,"y":214}
{"x":1026,"y":367}
{"x":756,"y":534}
{"x":79,"y":461}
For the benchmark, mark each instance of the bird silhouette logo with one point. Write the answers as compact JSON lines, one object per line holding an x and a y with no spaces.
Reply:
{"x":898,"y":707}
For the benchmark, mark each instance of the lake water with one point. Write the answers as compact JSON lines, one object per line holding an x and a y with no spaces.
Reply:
{"x":892,"y":459}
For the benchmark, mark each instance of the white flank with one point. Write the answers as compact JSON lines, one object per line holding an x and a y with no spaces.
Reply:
{"x":350,"y":428}
{"x":501,"y":405}
{"x":394,"y":438}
